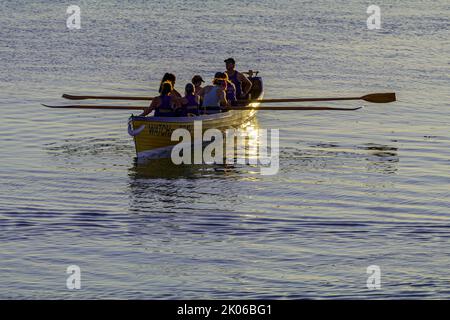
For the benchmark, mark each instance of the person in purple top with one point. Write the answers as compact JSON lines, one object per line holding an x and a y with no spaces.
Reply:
{"x":166,"y":104}
{"x":190,"y":102}
{"x":231,"y":91}
{"x":242,"y":84}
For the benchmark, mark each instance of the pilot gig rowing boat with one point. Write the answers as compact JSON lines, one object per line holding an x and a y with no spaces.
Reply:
{"x":152,"y":135}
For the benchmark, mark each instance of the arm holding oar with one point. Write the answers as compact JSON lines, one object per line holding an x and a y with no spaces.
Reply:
{"x":153,"y":105}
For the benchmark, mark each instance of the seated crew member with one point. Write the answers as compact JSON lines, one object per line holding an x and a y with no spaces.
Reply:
{"x":242,"y":84}
{"x":169,"y":77}
{"x":189,"y":103}
{"x":214,"y":97}
{"x":197,"y":82}
{"x":166,"y":104}
{"x":231,"y":91}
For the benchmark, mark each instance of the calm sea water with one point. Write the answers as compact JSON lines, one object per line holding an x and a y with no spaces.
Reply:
{"x":354,"y":189}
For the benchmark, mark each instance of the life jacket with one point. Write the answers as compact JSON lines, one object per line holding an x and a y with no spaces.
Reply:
{"x":165,"y":108}
{"x":237,"y":84}
{"x":191,"y":107}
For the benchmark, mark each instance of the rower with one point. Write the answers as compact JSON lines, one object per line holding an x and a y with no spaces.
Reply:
{"x":231,"y":91}
{"x":189,"y":103}
{"x":166,"y":104}
{"x":242,"y":84}
{"x":171,"y":78}
{"x":197,"y":82}
{"x":214,"y":96}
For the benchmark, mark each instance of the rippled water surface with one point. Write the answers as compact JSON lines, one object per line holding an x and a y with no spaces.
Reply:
{"x":369,"y":187}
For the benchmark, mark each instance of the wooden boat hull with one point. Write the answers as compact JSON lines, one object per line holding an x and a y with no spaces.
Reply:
{"x":152,"y":135}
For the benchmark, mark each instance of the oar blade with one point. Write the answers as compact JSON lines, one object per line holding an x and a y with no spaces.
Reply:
{"x":380,"y":97}
{"x":72,"y":97}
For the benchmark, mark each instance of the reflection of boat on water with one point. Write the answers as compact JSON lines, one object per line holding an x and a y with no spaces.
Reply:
{"x":372,"y":157}
{"x":152,"y":135}
{"x":381,"y":158}
{"x":159,"y":186}
{"x":164,"y":168}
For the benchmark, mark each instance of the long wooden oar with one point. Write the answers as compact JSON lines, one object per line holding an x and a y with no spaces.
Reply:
{"x":80,"y":106}
{"x":284,"y":108}
{"x":373,"y":97}
{"x":74,"y":97}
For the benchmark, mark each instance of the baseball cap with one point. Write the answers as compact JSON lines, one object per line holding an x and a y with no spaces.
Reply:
{"x":229,"y":60}
{"x":197,"y":78}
